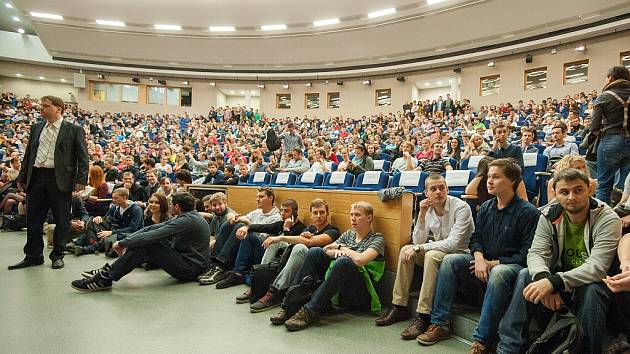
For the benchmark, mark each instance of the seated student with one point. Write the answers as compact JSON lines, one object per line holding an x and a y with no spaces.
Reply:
{"x":230,"y":178}
{"x":437,"y":164}
{"x":152,"y":185}
{"x":320,"y":162}
{"x":226,"y":247}
{"x":450,"y":221}
{"x":79,"y":218}
{"x":345,"y":160}
{"x":501,"y":147}
{"x":110,"y":170}
{"x":298,"y":164}
{"x":478,"y":186}
{"x":476,"y":146}
{"x":573,"y":248}
{"x":559,"y":148}
{"x":620,"y":285}
{"x":358,"y":264}
{"x":361,"y":162}
{"x":136,"y":193}
{"x":166,"y":188}
{"x":184,"y":258}
{"x":426,"y":153}
{"x":182,"y":178}
{"x":251,"y":249}
{"x":571,"y":161}
{"x":406,"y":162}
{"x":214,"y":176}
{"x":216,"y":214}
{"x":157,"y":210}
{"x":318,"y":234}
{"x":258,"y":164}
{"x":503,"y":233}
{"x":243,"y":173}
{"x":122,"y":219}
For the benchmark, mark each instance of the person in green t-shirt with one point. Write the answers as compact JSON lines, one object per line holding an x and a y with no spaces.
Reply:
{"x":574,"y":252}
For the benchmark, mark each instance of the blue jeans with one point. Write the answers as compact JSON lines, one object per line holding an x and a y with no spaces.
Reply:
{"x":588,"y":302}
{"x":454,"y":269}
{"x":613,"y":154}
{"x":250,"y":252}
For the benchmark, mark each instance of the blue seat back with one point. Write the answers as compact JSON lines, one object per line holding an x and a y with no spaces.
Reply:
{"x":412,"y":180}
{"x":382,"y":165}
{"x":533,"y":163}
{"x":310,"y":179}
{"x":371,"y":180}
{"x":457,"y":180}
{"x":337,"y":180}
{"x":282,"y":179}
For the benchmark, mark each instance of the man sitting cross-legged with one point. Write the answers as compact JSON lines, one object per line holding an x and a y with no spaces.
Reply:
{"x":320,"y":233}
{"x":503,"y":233}
{"x":358,"y":263}
{"x":449,"y":221}
{"x":573,"y":248}
{"x":251,"y":249}
{"x":184,"y":258}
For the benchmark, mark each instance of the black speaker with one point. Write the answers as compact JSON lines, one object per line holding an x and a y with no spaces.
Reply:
{"x":401,"y":78}
{"x":162,"y":82}
{"x":457,"y":70}
{"x":136,"y":80}
{"x":340,"y":83}
{"x":529,"y":58}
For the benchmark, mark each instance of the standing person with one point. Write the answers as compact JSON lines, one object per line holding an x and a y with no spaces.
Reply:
{"x":55,"y":164}
{"x":610,"y":124}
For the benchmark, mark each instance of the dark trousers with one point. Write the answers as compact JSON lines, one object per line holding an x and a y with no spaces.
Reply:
{"x":226,"y":246}
{"x":344,"y":278}
{"x":159,"y":254}
{"x":43,"y":195}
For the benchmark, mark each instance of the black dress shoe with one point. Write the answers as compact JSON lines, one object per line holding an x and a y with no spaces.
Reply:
{"x":57,"y":263}
{"x":395,"y":314}
{"x":28,"y":262}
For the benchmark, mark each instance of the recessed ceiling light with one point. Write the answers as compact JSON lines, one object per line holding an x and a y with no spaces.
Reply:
{"x":253,"y":92}
{"x":439,"y":82}
{"x":185,"y":82}
{"x":42,"y":78}
{"x":309,"y":84}
{"x":18,"y":75}
{"x":581,"y":47}
{"x":47,"y":16}
{"x":16,"y":19}
{"x":273,"y":27}
{"x":231,"y":92}
{"x":330,"y":21}
{"x":63,"y":80}
{"x":222,"y":28}
{"x":110,"y":23}
{"x":168,"y":27}
{"x":262,"y":86}
{"x":380,"y":13}
{"x":285,"y":86}
{"x":427,"y":84}
{"x":492,"y":64}
{"x":212,"y":83}
{"x":242,"y":92}
{"x":8,"y":5}
{"x":20,"y":30}
{"x":433,"y":2}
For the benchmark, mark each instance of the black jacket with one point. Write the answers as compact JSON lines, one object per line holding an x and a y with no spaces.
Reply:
{"x":608,"y":108}
{"x":275,"y":228}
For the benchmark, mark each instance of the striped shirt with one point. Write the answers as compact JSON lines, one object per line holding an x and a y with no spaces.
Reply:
{"x":291,"y":141}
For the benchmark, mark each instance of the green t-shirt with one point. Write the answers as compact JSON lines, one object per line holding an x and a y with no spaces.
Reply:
{"x":574,"y":250}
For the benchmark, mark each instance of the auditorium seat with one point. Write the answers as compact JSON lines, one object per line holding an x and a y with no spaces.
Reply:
{"x":471,"y":163}
{"x":283,"y":179}
{"x":382,"y":165}
{"x":257,"y":179}
{"x":533,"y":163}
{"x":457,"y":180}
{"x":370,"y":181}
{"x":308,"y":180}
{"x":337,"y":180}
{"x":412,"y":180}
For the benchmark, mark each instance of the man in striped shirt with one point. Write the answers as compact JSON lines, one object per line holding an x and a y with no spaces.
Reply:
{"x":291,"y":140}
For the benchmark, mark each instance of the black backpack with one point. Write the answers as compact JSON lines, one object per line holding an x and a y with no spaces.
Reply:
{"x":265,"y":274}
{"x":563,"y":335}
{"x":13,"y":222}
{"x":272,"y":140}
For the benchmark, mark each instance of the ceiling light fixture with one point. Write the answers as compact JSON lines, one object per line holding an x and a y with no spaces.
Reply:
{"x":261,"y":86}
{"x":100,"y":76}
{"x":330,"y":21}
{"x":231,"y":92}
{"x":18,"y":75}
{"x":222,"y":28}
{"x":581,"y":47}
{"x":168,"y":27}
{"x":42,"y":78}
{"x":47,"y":16}
{"x":427,"y":84}
{"x":212,"y":83}
{"x":285,"y":86}
{"x":9,"y":6}
{"x":367,"y":82}
{"x":273,"y":27}
{"x":150,"y":78}
{"x":439,"y":82}
{"x":492,"y":64}
{"x":110,"y":23}
{"x":16,"y":19}
{"x":383,"y":12}
{"x":242,"y":92}
{"x":433,"y":2}
{"x":63,"y":80}
{"x":309,"y":84}
{"x":20,"y":30}
{"x":253,"y":92}
{"x":185,"y":82}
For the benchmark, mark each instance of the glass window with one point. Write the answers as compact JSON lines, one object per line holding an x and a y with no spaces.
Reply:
{"x":333,"y":99}
{"x":172,"y":96}
{"x":113,"y":92}
{"x":156,"y":94}
{"x":384,"y":97}
{"x":576,"y":72}
{"x":536,"y":78}
{"x":283,"y":101}
{"x":311,"y":100}
{"x":625,"y":59}
{"x":130,"y":93}
{"x":186,"y":100}
{"x":99,"y":91}
{"x":489,"y":85}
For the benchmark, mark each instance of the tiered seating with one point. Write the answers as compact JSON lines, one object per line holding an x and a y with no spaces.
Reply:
{"x":308,"y":180}
{"x":457,"y":180}
{"x":371,"y":181}
{"x":283,"y":179}
{"x":413,"y":181}
{"x":337,"y":180}
{"x":257,"y":179}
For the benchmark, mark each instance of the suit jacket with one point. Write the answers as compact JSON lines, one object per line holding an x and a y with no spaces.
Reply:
{"x":71,"y":157}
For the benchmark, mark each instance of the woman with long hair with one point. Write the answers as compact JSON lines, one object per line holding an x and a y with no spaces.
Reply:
{"x":157,"y":210}
{"x":100,"y":190}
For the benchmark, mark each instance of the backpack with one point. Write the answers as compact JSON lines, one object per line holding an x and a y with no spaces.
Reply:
{"x":298,"y":295}
{"x":265,"y":274}
{"x":272,"y":140}
{"x":563,"y":335}
{"x":13,"y":222}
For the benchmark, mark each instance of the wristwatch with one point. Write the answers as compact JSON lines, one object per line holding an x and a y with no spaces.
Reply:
{"x":417,"y":248}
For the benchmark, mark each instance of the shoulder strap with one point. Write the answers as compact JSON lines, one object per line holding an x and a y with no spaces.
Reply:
{"x":625,"y":109}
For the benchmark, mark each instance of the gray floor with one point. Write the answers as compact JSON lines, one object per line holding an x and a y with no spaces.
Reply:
{"x":151,"y":312}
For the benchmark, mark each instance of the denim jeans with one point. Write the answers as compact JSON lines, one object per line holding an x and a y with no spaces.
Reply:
{"x":588,"y":302}
{"x":343,"y":278}
{"x":226,"y":246}
{"x":454,"y":269}
{"x":250,"y":252}
{"x":613,"y":154}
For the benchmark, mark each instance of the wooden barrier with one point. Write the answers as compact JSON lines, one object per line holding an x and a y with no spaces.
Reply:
{"x":393,"y":219}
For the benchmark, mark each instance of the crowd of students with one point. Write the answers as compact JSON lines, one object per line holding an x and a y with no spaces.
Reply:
{"x":562,"y":256}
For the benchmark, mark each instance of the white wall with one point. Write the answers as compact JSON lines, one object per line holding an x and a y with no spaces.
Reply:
{"x":36,"y":88}
{"x":433,"y":93}
{"x":221,"y":99}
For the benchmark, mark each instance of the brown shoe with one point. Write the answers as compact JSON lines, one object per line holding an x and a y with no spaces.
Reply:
{"x":395,"y":314}
{"x":301,"y":320}
{"x":280,"y":318}
{"x":416,"y":328}
{"x":478,"y":348}
{"x":433,"y":335}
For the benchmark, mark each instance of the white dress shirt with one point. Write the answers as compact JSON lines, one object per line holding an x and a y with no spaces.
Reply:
{"x":451,"y":231}
{"x":49,"y":162}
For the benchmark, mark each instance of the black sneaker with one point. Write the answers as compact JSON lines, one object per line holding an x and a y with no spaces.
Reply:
{"x":215,"y":277}
{"x":94,"y":272}
{"x":232,"y":279}
{"x":270,"y":300}
{"x":96,"y":283}
{"x":208,"y":273}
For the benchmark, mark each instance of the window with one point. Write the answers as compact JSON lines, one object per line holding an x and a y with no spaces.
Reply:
{"x":489,"y":85}
{"x":113,"y":92}
{"x":311,"y":100}
{"x":283,"y":101}
{"x":625,"y":59}
{"x":186,"y":100}
{"x":536,"y":78}
{"x":130,"y":93}
{"x":99,"y":91}
{"x":172,"y":96}
{"x":384,"y":97}
{"x":575,"y":72}
{"x":333,"y":99}
{"x":156,"y":95}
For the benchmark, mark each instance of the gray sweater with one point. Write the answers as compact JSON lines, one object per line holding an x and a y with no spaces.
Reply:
{"x":601,"y":237}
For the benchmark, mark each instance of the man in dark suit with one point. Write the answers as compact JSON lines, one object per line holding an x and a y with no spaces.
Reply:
{"x":55,"y":164}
